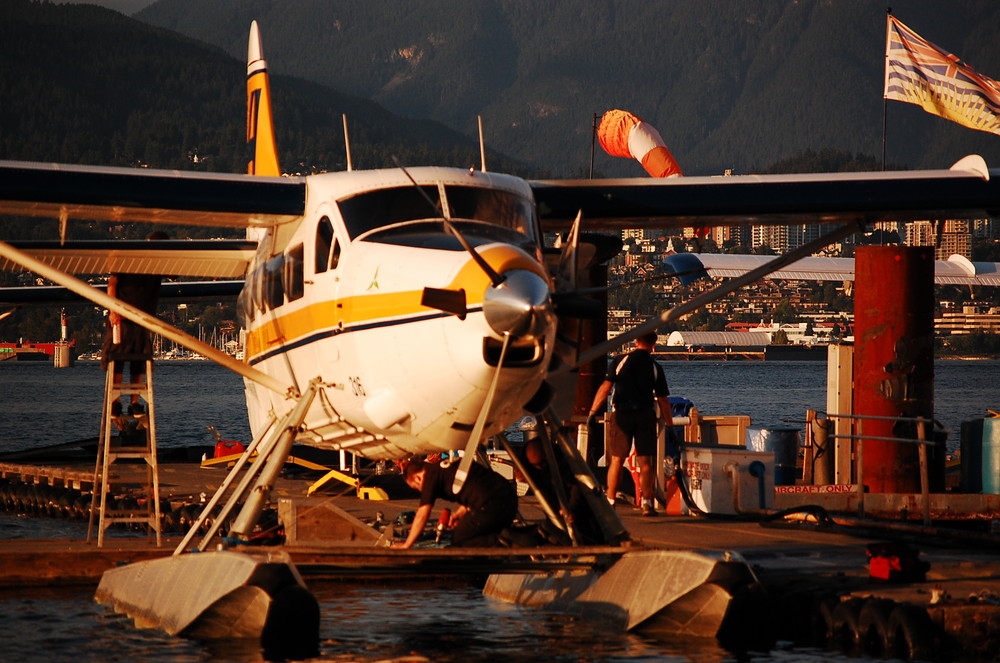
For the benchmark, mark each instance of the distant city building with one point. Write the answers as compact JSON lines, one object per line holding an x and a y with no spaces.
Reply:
{"x":985,"y":229}
{"x":775,"y":237}
{"x":887,"y":226}
{"x":951,"y":238}
{"x":967,"y":321}
{"x":737,"y":235}
{"x":802,"y":233}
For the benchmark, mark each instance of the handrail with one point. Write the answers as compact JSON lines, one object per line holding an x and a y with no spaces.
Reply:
{"x":921,"y":440}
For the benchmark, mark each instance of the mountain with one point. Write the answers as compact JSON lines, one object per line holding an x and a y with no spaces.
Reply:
{"x":127,"y":7}
{"x":83,"y":84}
{"x":729,"y":84}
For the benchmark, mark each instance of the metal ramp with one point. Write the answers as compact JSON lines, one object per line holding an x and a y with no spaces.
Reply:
{"x":108,"y":453}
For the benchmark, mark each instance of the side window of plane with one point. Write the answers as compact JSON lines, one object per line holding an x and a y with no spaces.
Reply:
{"x":294,"y":276}
{"x":324,"y":242}
{"x":254,"y":285}
{"x":272,"y":287}
{"x":244,"y":306}
{"x":335,"y":255}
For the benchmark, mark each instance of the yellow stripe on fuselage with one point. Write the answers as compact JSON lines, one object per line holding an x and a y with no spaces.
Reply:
{"x":365,"y":309}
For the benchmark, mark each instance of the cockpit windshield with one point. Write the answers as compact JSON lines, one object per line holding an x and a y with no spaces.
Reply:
{"x":386,"y":207}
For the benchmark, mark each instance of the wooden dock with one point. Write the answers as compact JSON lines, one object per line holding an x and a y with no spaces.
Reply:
{"x":797,"y":560}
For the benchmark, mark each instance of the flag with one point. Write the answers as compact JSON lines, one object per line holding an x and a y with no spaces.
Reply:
{"x":918,"y":72}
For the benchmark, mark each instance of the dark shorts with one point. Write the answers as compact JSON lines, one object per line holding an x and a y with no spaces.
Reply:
{"x":632,"y":427}
{"x":480,"y":527}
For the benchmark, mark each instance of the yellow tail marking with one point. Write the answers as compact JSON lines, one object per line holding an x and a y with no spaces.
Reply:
{"x":260,"y":122}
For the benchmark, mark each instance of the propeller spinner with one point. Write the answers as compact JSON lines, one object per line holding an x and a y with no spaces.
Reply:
{"x":521,"y":305}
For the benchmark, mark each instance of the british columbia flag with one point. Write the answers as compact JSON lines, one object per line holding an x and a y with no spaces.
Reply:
{"x":918,"y":72}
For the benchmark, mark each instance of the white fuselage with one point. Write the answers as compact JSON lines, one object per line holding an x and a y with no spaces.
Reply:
{"x":339,"y":297}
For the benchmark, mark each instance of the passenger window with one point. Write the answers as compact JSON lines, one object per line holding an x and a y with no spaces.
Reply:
{"x":294,"y":277}
{"x":335,"y":256}
{"x":244,"y":305}
{"x":273,"y":290}
{"x":254,"y":285}
{"x":324,"y":240}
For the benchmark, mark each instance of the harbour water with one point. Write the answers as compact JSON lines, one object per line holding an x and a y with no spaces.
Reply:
{"x":41,"y":405}
{"x":451,"y":624}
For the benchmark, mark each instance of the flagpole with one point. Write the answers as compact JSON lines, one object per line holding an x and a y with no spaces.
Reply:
{"x":593,"y":139}
{"x":885,"y":102}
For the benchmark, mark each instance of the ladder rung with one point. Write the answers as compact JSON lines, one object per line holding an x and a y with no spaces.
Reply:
{"x":130,"y":454}
{"x":110,"y":520}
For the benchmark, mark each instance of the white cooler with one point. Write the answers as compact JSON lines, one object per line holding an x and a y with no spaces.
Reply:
{"x":725,"y":479}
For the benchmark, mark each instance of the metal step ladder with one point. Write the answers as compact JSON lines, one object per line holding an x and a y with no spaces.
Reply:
{"x":108,"y":453}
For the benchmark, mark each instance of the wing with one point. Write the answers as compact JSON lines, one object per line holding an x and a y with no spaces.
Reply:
{"x":156,"y":196}
{"x":968,"y":190}
{"x":181,"y":290}
{"x":224,"y":259}
{"x":957,"y":270}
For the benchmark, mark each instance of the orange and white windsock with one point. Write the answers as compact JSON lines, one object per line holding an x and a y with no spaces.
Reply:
{"x":622,"y":134}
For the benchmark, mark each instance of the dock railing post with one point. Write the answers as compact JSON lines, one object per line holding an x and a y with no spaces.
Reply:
{"x":925,"y":487}
{"x":822,"y":467}
{"x":808,"y":448}
{"x":856,"y":431}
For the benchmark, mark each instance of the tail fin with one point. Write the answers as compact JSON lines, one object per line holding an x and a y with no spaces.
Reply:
{"x":260,"y":124}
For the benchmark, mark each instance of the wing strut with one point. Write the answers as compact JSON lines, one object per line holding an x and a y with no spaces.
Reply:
{"x":150,"y":322}
{"x":669,"y":315}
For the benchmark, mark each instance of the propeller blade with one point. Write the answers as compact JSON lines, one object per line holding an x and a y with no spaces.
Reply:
{"x":495,"y":278}
{"x":575,"y":305}
{"x":449,"y":301}
{"x":569,"y":257}
{"x":669,"y":315}
{"x":470,"y":448}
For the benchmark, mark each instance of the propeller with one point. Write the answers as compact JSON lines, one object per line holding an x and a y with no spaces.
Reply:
{"x":669,"y":315}
{"x":521,"y":305}
{"x":576,"y":303}
{"x":477,"y":431}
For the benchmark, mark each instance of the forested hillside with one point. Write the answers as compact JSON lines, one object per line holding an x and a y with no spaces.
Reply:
{"x":729,"y":84}
{"x":82,"y":84}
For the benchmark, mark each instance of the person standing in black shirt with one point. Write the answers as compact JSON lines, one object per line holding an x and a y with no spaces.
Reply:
{"x":639,"y":385}
{"x":487,"y":502}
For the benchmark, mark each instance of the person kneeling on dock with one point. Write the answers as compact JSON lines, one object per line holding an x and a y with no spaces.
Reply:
{"x":487,"y":502}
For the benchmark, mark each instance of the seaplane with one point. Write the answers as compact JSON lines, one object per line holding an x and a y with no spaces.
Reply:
{"x":402,"y":311}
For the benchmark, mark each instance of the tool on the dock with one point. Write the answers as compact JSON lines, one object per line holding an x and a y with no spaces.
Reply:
{"x":442,"y":524}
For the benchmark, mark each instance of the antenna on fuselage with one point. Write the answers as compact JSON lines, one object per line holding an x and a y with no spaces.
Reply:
{"x":482,"y":145}
{"x":347,"y":144}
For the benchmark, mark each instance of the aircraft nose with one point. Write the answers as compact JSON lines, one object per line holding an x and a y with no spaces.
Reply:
{"x":520,"y":305}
